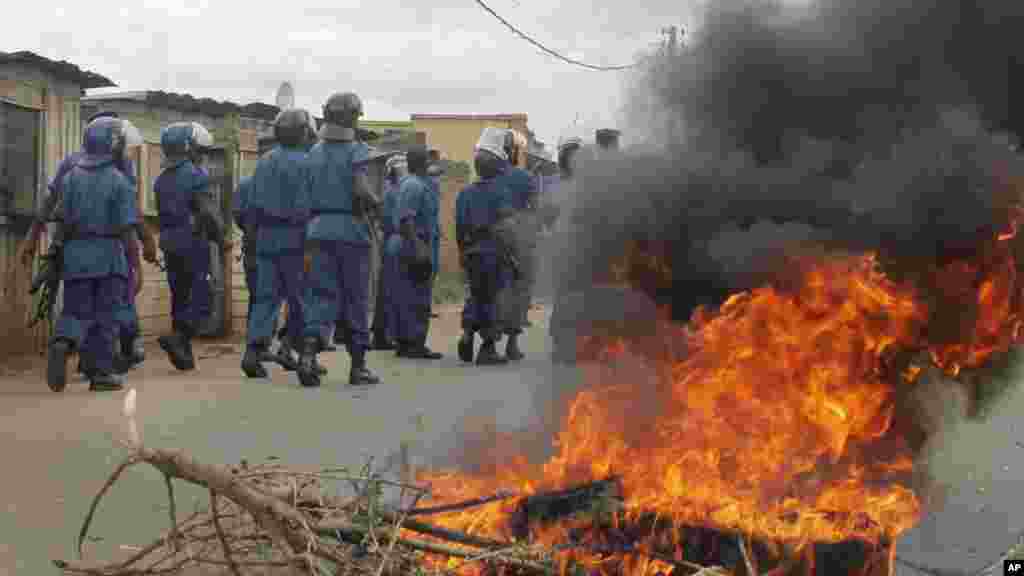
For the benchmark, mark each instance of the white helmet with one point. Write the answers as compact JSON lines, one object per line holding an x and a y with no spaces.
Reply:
{"x":493,"y":140}
{"x":132,"y":136}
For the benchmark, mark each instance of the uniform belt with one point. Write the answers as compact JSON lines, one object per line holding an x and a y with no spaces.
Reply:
{"x":480,"y":235}
{"x":86,"y":235}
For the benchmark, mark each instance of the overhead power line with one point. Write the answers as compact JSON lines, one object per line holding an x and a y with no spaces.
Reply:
{"x":547,"y":50}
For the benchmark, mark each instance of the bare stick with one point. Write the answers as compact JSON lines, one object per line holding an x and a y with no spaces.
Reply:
{"x":748,"y":556}
{"x":354,"y":531}
{"x":172,"y":510}
{"x":124,"y":465}
{"x":457,"y":506}
{"x":220,"y":534}
{"x":395,"y":532}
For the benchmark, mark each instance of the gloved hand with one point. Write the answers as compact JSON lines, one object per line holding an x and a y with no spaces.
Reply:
{"x":307,"y":262}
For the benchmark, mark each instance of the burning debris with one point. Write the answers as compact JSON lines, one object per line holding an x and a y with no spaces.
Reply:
{"x":830,"y":233}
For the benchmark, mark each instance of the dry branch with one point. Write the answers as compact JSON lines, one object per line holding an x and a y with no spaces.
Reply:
{"x":267,"y":516}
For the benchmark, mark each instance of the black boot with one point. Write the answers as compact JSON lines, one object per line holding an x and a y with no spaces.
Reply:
{"x":360,"y":375}
{"x":103,"y":382}
{"x":382,"y":344}
{"x":287,"y":357}
{"x":190,"y":358}
{"x":488,"y":355}
{"x":419,"y":352}
{"x":512,"y":351}
{"x":252,"y":362}
{"x":309,"y":377}
{"x":177,"y":351}
{"x":467,"y":344}
{"x":57,"y":365}
{"x":85,"y":367}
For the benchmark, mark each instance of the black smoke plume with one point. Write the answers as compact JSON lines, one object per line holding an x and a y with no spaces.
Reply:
{"x":862,"y":124}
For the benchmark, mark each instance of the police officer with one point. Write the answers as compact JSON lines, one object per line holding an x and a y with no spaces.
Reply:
{"x":521,"y":196}
{"x":478,"y":209}
{"x":434,"y":172}
{"x":129,"y":344}
{"x":418,"y":208}
{"x":98,"y":216}
{"x":563,"y":345}
{"x":339,"y":239}
{"x":291,"y":334}
{"x":384,"y":328}
{"x":239,"y":208}
{"x":188,"y":222}
{"x":278,"y":213}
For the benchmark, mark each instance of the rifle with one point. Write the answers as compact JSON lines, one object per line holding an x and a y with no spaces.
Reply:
{"x":47,"y":283}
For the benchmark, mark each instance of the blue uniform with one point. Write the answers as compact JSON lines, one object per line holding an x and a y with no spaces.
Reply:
{"x":186,"y":254}
{"x":385,"y":317}
{"x":98,"y":206}
{"x":520,"y":190}
{"x":126,"y":319}
{"x":417,"y":201}
{"x":476,"y":212}
{"x":340,"y":279}
{"x":278,"y":212}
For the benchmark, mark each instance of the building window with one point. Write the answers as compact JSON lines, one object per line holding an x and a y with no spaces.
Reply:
{"x":19,"y":159}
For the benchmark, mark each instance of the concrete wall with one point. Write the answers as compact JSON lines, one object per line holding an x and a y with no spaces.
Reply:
{"x":58,"y":133}
{"x":456,"y":136}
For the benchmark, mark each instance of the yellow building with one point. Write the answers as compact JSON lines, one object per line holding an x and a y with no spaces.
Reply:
{"x":455,"y":135}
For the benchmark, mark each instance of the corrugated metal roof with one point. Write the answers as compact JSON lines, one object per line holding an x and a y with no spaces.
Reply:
{"x":62,"y":69}
{"x":189,"y":103}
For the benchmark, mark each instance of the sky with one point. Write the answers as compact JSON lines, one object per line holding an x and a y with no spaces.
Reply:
{"x":401,"y":56}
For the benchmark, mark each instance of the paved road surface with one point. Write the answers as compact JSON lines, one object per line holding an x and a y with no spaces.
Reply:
{"x":58,"y":449}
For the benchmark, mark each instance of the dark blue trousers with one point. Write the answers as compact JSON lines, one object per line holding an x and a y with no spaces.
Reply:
{"x":385,"y":324}
{"x":338,"y":292}
{"x":187,"y":274}
{"x":412,"y":306}
{"x":88,"y":317}
{"x":127,"y":317}
{"x":480,"y":312}
{"x":278,"y":277}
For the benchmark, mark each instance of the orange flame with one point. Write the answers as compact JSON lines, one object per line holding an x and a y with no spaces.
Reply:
{"x":777,"y":421}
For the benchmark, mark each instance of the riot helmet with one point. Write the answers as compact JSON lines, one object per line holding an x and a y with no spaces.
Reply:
{"x":607,"y":138}
{"x":110,"y":137}
{"x":396,"y":167}
{"x":487,"y":164}
{"x":102,"y":114}
{"x":293,"y":127}
{"x":182,"y":140}
{"x":416,"y":159}
{"x":493,"y":140}
{"x":343,"y":109}
{"x":567,"y":150}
